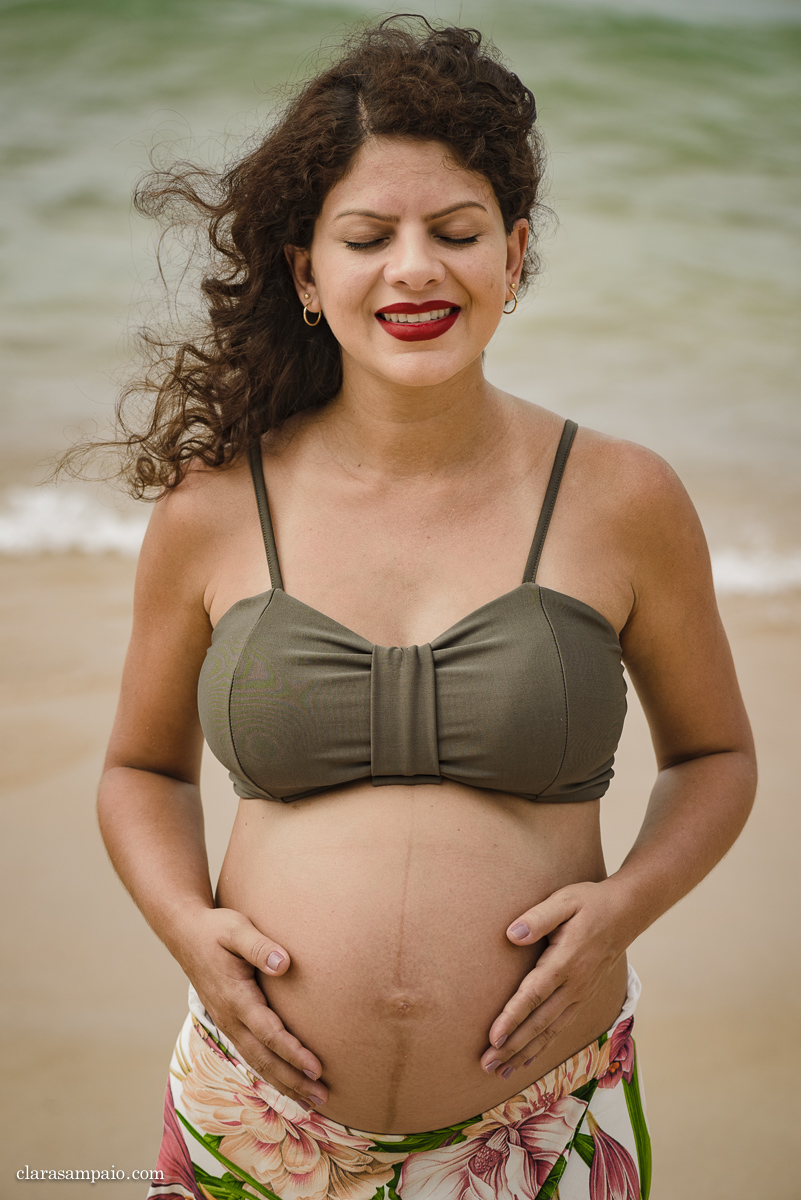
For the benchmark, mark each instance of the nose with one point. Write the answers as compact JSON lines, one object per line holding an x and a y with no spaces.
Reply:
{"x":413,"y":260}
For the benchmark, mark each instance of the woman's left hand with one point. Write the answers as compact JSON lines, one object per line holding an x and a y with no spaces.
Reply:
{"x":583,"y":925}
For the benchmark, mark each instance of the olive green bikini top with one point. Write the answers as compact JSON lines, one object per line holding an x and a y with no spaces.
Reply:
{"x":525,"y":695}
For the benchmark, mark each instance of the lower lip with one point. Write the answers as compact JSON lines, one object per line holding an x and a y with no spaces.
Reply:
{"x":422,"y":332}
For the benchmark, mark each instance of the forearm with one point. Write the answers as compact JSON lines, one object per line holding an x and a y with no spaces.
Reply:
{"x":696,"y":810}
{"x":152,"y":827}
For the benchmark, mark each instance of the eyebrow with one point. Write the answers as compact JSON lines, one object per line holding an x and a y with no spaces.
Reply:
{"x":443,"y":212}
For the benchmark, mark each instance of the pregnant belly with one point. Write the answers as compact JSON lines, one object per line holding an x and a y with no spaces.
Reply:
{"x":393,"y":905}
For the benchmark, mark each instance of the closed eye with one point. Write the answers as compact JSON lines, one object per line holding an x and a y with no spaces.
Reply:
{"x":364,"y":245}
{"x":451,"y":241}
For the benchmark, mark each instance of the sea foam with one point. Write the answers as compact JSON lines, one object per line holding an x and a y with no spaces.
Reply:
{"x":36,"y":520}
{"x":755,"y":571}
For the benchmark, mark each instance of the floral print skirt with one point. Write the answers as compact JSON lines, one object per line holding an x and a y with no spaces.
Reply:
{"x":579,"y":1133}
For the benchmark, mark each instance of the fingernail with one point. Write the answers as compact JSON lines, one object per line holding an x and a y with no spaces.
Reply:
{"x":302,"y":1104}
{"x":275,"y":960}
{"x":529,"y":1061}
{"x":520,"y":930}
{"x":500,"y":1041}
{"x":310,"y":1074}
{"x":491,"y":1065}
{"x":316,"y":1100}
{"x":508,"y":1073}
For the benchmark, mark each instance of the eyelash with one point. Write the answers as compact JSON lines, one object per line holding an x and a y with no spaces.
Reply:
{"x":466,"y":241}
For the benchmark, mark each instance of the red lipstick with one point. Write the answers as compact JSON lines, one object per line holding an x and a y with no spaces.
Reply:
{"x":418,"y":331}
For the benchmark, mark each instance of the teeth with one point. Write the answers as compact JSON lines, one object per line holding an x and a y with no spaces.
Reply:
{"x":417,"y":318}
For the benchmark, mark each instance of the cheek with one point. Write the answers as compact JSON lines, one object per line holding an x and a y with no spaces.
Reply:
{"x":342,"y":279}
{"x":346,"y":302}
{"x":490,"y":287}
{"x":345,"y":289}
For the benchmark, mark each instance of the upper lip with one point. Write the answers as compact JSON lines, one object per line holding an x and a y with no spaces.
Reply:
{"x":426,"y":306}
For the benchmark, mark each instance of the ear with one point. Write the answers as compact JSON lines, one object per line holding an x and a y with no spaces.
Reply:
{"x":515,"y":250}
{"x":300,"y":265}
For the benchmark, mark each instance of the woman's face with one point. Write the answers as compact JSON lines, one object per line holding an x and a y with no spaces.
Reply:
{"x":410,"y":263}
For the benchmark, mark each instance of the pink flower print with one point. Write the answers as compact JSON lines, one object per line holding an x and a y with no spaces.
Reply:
{"x":177,"y":1173}
{"x":499,"y":1160}
{"x":299,"y":1155}
{"x":621,"y":1055}
{"x":613,"y":1174}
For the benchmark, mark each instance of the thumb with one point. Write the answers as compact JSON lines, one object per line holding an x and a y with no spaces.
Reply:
{"x":245,"y":940}
{"x":543,"y":918}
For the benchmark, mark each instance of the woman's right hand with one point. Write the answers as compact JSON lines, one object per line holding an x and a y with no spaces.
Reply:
{"x":220,"y":950}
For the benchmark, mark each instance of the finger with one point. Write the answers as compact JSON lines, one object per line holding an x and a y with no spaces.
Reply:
{"x":267,"y":1046}
{"x":532,"y":1039}
{"x":245,"y":1007}
{"x":276,"y":1071}
{"x":535,"y":1047}
{"x":269,"y":1029}
{"x":535,"y":1025}
{"x":241,"y":937}
{"x":542,"y":919}
{"x":535,"y":989}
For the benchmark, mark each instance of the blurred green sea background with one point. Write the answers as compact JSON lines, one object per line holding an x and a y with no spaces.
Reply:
{"x":668,"y":307}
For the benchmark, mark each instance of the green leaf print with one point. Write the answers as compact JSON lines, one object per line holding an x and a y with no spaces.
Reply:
{"x":586,"y":1091}
{"x":392,"y":1186}
{"x":584,"y":1147}
{"x":642,"y":1138}
{"x":416,"y":1142}
{"x":548,"y":1189}
{"x":236,"y":1171}
{"x":221,"y":1188}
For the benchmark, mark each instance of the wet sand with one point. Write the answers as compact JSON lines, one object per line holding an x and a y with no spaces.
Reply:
{"x":92,"y":1002}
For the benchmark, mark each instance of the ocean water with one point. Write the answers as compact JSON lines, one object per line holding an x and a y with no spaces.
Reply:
{"x":668,"y":307}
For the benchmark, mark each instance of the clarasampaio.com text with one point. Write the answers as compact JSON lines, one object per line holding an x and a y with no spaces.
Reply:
{"x":110,"y":1174}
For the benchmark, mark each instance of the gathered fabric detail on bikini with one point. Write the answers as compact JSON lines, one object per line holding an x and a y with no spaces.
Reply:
{"x":403,"y":716}
{"x":524,"y":695}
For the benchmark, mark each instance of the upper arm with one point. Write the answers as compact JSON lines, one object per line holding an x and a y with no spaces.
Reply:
{"x":157,"y":726}
{"x":674,"y":645}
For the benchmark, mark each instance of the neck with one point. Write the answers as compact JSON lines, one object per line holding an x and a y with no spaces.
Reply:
{"x":402,"y":432}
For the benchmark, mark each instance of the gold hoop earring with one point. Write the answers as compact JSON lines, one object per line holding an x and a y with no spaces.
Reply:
{"x":306,"y":316}
{"x":508,"y":311}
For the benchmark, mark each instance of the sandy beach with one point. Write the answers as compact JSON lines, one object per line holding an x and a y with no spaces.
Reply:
{"x":92,"y":1002}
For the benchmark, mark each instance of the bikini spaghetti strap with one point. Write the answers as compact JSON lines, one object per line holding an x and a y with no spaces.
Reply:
{"x":546,"y":512}
{"x":260,"y":488}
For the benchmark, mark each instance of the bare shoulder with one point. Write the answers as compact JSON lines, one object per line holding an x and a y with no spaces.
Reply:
{"x":632,"y":478}
{"x":621,"y":480}
{"x":203,"y":499}
{"x":642,"y":501}
{"x":190,"y":523}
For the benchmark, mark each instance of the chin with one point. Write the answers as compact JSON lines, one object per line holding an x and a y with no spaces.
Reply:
{"x":427,"y":368}
{"x":423,"y":374}
{"x":421,"y":365}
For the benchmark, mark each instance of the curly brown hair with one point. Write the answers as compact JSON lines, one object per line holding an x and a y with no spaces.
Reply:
{"x":255,"y":363}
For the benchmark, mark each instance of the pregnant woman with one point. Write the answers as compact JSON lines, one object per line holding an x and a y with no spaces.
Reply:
{"x":396,"y":601}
